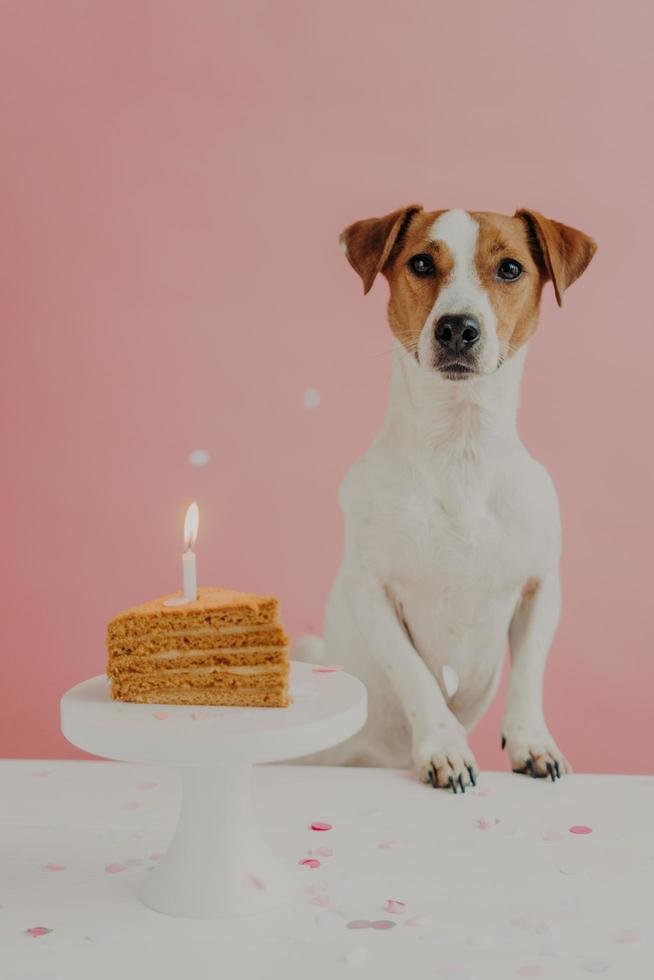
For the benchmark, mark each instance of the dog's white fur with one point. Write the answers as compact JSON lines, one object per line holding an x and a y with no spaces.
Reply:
{"x":452,"y":542}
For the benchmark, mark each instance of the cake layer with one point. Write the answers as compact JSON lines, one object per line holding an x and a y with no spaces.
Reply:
{"x":204,"y":638}
{"x":172,"y":659}
{"x":242,"y":697}
{"x":216,"y":681}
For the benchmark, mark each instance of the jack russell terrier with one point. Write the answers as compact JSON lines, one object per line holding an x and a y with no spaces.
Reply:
{"x":452,"y":533}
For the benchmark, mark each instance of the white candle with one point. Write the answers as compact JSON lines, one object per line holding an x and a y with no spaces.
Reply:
{"x":191,"y":524}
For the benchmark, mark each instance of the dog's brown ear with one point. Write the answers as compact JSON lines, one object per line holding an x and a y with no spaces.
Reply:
{"x":368,"y":244}
{"x":563,"y":252}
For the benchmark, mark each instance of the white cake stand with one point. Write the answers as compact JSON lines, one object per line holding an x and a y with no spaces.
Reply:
{"x":217,"y":864}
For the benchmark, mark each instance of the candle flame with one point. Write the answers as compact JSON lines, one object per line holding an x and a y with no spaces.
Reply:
{"x":191,"y":525}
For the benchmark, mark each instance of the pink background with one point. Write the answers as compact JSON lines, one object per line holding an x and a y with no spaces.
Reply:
{"x":175,"y":176}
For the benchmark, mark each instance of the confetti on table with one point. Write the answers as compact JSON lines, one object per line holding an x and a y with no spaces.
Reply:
{"x":311,"y":398}
{"x":424,"y":919}
{"x":323,"y":901}
{"x":359,"y":924}
{"x":37,"y":931}
{"x":552,"y":834}
{"x":54,"y":867}
{"x":310,"y":862}
{"x":355,"y":956}
{"x":580,"y":828}
{"x":327,"y":669}
{"x":198,"y":457}
{"x":147,"y":785}
{"x":383,"y":924}
{"x":156,"y":856}
{"x":485,"y":823}
{"x":627,"y":936}
{"x":387,"y":844}
{"x":113,"y":869}
{"x":318,"y":825}
{"x":395,"y":907}
{"x":160,"y":715}
{"x":132,"y":805}
{"x":256,"y":883}
{"x":530,"y":971}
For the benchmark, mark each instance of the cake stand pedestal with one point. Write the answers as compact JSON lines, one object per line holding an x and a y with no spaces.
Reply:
{"x":218,"y":864}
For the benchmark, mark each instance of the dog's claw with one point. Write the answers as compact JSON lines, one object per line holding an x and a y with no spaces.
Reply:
{"x":550,"y":770}
{"x":461,"y":783}
{"x":503,"y":741}
{"x":471,"y":772}
{"x":452,"y":784}
{"x":557,"y":770}
{"x":432,"y":777}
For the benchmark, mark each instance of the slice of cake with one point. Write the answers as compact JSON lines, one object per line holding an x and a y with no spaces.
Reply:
{"x":224,"y":648}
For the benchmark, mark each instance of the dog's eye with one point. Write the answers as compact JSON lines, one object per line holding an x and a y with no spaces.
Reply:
{"x":509,"y":270}
{"x":422,"y":265}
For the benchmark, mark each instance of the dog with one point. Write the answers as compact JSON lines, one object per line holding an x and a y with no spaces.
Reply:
{"x":452,"y":531}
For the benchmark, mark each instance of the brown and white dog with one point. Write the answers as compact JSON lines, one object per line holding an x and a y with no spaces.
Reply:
{"x":452,"y":534}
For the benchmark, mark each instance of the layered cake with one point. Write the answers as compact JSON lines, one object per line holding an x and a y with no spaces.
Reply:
{"x":224,"y":647}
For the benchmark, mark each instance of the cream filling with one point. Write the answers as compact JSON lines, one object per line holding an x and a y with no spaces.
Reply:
{"x":241,"y":670}
{"x":215,"y":630}
{"x":223,"y":651}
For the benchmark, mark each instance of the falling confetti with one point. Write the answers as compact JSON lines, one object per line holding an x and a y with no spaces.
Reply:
{"x":311,"y":398}
{"x":327,"y":669}
{"x":395,"y":907}
{"x":113,"y":869}
{"x":318,"y":825}
{"x":198,"y":457}
{"x":450,"y":680}
{"x":581,"y":828}
{"x":310,"y":862}
{"x":54,"y":867}
{"x":37,"y":931}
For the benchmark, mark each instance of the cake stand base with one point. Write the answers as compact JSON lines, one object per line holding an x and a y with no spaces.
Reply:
{"x":217,"y":864}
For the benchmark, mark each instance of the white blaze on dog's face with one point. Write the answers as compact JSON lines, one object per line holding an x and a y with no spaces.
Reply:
{"x":465,"y":286}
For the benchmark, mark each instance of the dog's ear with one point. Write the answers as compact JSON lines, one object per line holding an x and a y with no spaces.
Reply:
{"x":562,"y":252}
{"x":368,"y":244}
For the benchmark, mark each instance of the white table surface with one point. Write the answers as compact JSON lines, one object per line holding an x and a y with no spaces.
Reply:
{"x":495,"y":885}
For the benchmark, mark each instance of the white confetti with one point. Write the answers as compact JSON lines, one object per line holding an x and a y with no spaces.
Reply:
{"x":311,"y":398}
{"x":198,"y":457}
{"x":450,"y":680}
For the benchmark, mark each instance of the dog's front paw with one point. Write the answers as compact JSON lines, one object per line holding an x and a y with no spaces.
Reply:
{"x":443,"y":759}
{"x":533,"y":752}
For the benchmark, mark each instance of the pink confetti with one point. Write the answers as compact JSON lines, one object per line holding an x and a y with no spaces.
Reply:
{"x":425,"y":919}
{"x":627,"y":936}
{"x":156,"y":856}
{"x":580,"y":828}
{"x":485,"y":823}
{"x":256,"y":883}
{"x":41,"y":773}
{"x":37,"y":931}
{"x":113,"y":869}
{"x":530,"y":971}
{"x":383,"y":924}
{"x":160,"y":715}
{"x":132,"y":805}
{"x":54,"y":867}
{"x":395,"y":907}
{"x":147,"y":785}
{"x":317,"y":825}
{"x":552,"y":834}
{"x":327,"y":669}
{"x":325,"y":852}
{"x":389,"y":843}
{"x":310,"y":862}
{"x":359,"y":924}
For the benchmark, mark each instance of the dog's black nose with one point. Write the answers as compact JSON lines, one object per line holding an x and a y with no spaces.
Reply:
{"x":457,"y":333}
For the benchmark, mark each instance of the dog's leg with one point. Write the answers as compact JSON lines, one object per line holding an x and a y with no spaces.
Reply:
{"x":440,"y":752}
{"x":531,"y":748}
